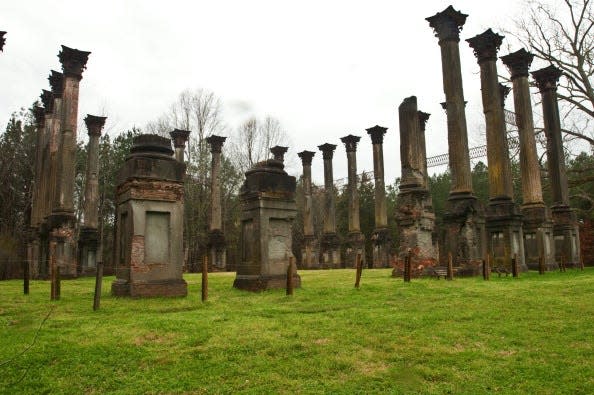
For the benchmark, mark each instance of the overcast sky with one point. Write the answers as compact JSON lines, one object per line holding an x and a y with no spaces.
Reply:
{"x":325,"y":69}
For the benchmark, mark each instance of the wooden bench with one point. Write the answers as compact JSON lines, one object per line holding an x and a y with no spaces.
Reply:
{"x":438,"y":271}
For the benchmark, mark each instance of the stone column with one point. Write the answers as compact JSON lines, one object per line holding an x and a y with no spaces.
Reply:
{"x":423,"y":118}
{"x":463,"y":229}
{"x":355,"y":239}
{"x":503,"y":217}
{"x":33,"y":244}
{"x":309,"y":249}
{"x":180,"y":138}
{"x":216,"y":237}
{"x":62,"y":218}
{"x":279,"y":152}
{"x":565,"y":228}
{"x":381,"y":237}
{"x":89,"y":233}
{"x":537,"y":226}
{"x":330,"y":245}
{"x":414,"y":215}
{"x":47,"y":184}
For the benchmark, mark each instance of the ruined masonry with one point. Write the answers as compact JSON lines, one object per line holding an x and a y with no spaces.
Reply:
{"x":268,"y":210}
{"x":414,"y":215}
{"x":149,"y":221}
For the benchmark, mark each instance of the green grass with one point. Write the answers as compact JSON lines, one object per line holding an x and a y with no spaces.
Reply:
{"x":534,"y":334}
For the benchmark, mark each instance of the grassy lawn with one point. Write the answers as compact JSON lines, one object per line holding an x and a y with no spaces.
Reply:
{"x":534,"y":334}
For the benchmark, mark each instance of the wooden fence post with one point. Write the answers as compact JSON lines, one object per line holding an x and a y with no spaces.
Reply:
{"x":205,"y":278}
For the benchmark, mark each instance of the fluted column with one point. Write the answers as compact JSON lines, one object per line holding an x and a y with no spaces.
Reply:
{"x":546,"y":80}
{"x":485,"y":48}
{"x":410,"y":155}
{"x":538,"y":227}
{"x":62,"y":218}
{"x":180,"y":138}
{"x":330,"y":246}
{"x":447,"y":25}
{"x":91,"y":207}
{"x":88,"y":238}
{"x":309,"y":254}
{"x":217,"y":243}
{"x":518,"y":64}
{"x":356,"y":239}
{"x":503,"y":219}
{"x":566,"y":230}
{"x":382,"y":240}
{"x":73,"y":64}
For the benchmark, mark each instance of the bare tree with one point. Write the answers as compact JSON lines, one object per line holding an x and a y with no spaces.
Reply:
{"x":253,"y":141}
{"x":562,"y":34}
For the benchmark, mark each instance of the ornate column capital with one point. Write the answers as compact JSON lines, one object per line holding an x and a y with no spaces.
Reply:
{"x":518,"y":63}
{"x":56,"y":80}
{"x":73,"y":61}
{"x":447,"y":24}
{"x":327,"y":150}
{"x":39,"y":114}
{"x":94,"y":124}
{"x":306,"y":157}
{"x":2,"y":40}
{"x":350,"y":142}
{"x":485,"y":45}
{"x":47,"y":98}
{"x":547,"y":78}
{"x":180,"y":137}
{"x":216,"y":143}
{"x":504,"y":90}
{"x":423,"y":118}
{"x":377,"y":134}
{"x":279,"y":152}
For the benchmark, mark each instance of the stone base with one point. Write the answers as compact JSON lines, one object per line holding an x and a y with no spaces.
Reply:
{"x":463,"y":231}
{"x":64,"y":251}
{"x":165,"y":288}
{"x":566,"y":235}
{"x":538,"y":237}
{"x":330,"y":252}
{"x":255,"y":283}
{"x":309,"y":253}
{"x":382,"y":248}
{"x":217,"y":251}
{"x":355,"y":245}
{"x":505,"y":235}
{"x":87,"y":251}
